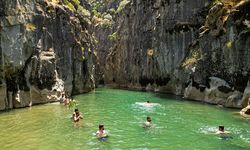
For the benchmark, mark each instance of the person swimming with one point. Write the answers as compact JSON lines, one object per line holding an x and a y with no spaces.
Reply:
{"x":101,"y":133}
{"x":76,"y":116}
{"x":148,"y":122}
{"x":222,"y":133}
{"x":147,"y":104}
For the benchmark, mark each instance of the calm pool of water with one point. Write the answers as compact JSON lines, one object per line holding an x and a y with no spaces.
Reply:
{"x":177,"y":124}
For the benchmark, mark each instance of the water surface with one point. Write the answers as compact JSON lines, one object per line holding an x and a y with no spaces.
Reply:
{"x":178,"y":124}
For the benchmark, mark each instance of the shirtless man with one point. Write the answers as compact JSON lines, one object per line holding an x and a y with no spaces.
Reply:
{"x":76,"y":116}
{"x":222,"y":132}
{"x":101,"y":133}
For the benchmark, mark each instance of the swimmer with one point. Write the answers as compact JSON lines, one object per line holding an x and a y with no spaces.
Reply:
{"x":222,"y":132}
{"x":147,"y":104}
{"x":101,"y":133}
{"x":148,"y":123}
{"x":76,"y":116}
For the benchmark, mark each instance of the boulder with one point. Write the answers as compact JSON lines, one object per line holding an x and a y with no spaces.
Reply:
{"x":246,"y":96}
{"x":245,"y":111}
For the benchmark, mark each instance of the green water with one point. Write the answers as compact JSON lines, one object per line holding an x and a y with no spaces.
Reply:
{"x":177,"y":125}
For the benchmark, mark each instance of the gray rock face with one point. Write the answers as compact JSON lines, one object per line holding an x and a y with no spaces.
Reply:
{"x":45,"y":49}
{"x":218,"y":92}
{"x":153,"y":41}
{"x":184,"y":48}
{"x":246,"y":111}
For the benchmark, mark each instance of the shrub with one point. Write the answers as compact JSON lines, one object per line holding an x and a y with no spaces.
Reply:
{"x":229,"y":44}
{"x":122,"y":5}
{"x":30,"y":27}
{"x":113,"y":36}
{"x":69,"y":5}
{"x":83,"y":11}
{"x":192,"y":58}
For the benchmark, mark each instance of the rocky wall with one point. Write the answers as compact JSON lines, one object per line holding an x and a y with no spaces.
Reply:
{"x":46,"y":49}
{"x":183,"y":47}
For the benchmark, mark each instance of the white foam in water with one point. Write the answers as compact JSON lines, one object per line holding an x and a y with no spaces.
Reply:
{"x":246,"y":139}
{"x":145,"y":104}
{"x":207,"y":130}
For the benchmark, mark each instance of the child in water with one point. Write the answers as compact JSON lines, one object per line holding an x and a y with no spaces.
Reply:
{"x":148,"y":123}
{"x":101,"y":133}
{"x":76,"y":116}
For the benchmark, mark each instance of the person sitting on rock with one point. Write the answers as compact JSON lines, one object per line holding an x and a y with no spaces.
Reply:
{"x":76,"y":116}
{"x":66,"y":100}
{"x":62,"y":97}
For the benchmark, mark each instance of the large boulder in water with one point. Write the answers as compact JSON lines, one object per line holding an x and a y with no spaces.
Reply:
{"x":218,"y":91}
{"x":245,"y":111}
{"x":246,"y":95}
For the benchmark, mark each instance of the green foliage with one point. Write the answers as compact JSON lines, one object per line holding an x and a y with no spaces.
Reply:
{"x":96,"y":13}
{"x":30,"y":27}
{"x":69,"y":5}
{"x":73,"y":104}
{"x":229,"y":44}
{"x":192,"y":58}
{"x":83,"y":51}
{"x":74,"y":5}
{"x":76,"y":2}
{"x":106,"y":23}
{"x":113,"y":36}
{"x":83,"y":11}
{"x":216,"y":2}
{"x":122,"y":5}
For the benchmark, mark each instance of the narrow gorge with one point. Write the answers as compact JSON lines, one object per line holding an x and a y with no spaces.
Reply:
{"x":197,"y":49}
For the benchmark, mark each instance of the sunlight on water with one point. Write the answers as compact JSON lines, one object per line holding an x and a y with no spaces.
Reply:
{"x":177,"y":124}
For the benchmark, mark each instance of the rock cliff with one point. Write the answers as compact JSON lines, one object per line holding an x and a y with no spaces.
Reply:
{"x":199,"y":49}
{"x":195,"y":48}
{"x":46,"y":48}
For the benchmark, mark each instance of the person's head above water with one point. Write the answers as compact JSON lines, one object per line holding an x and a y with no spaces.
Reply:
{"x":76,"y":110}
{"x":149,"y":119}
{"x":221,"y":128}
{"x":101,"y":127}
{"x":147,"y":101}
